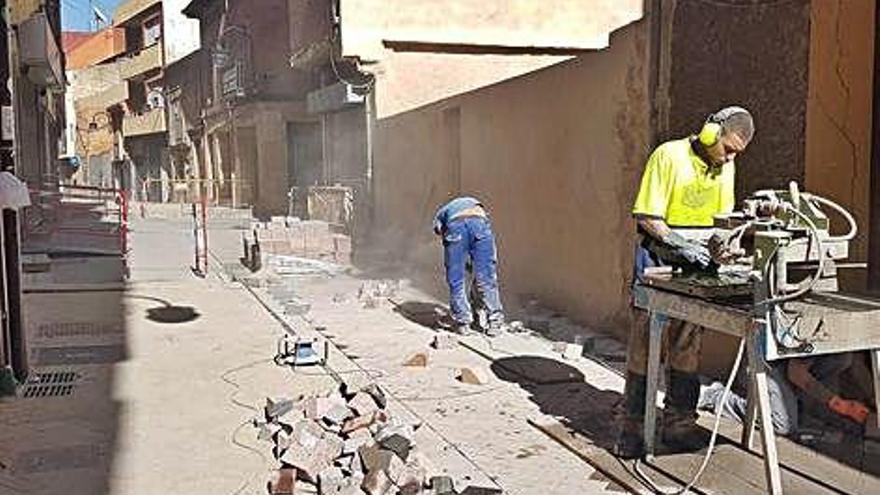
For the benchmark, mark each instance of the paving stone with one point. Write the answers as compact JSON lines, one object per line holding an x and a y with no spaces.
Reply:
{"x":363,"y":404}
{"x":377,"y":483}
{"x":568,"y":350}
{"x":330,"y":481}
{"x":278,"y":451}
{"x":283,"y":482}
{"x":396,"y":438}
{"x":412,"y":480}
{"x":362,"y":422}
{"x":356,"y":440}
{"x":296,"y":308}
{"x":378,"y":395}
{"x":344,"y":462}
{"x":306,"y":433}
{"x":473,"y":376}
{"x":417,"y":360}
{"x":337,"y":414}
{"x":374,"y":458}
{"x":281,"y":439}
{"x":306,"y":463}
{"x":442,"y":485}
{"x":318,"y":407}
{"x":268,"y":431}
{"x":478,"y":490}
{"x":329,"y":448}
{"x":399,"y":445}
{"x":445,"y":341}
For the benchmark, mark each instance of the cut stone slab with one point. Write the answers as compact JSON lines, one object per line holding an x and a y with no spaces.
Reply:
{"x":396,"y":438}
{"x":282,"y":482}
{"x":282,"y":439}
{"x":399,"y":445}
{"x":445,"y":341}
{"x":375,"y":391}
{"x":478,"y":490}
{"x":573,"y":351}
{"x":374,"y":458}
{"x":412,"y":480}
{"x":306,"y":434}
{"x":277,"y":407}
{"x":363,"y":404}
{"x":376,"y":483}
{"x":417,"y":360}
{"x":356,"y":440}
{"x":473,"y":376}
{"x":442,"y":485}
{"x":337,"y":414}
{"x":330,"y":481}
{"x":363,"y":422}
{"x":318,"y":407}
{"x":268,"y":431}
{"x":307,"y":464}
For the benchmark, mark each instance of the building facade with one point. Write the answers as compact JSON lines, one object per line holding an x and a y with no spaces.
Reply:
{"x":33,"y":123}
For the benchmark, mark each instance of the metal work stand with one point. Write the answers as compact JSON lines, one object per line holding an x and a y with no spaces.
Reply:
{"x":662,"y":305}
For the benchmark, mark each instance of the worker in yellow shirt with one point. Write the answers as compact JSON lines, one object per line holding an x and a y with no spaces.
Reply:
{"x":685,"y":183}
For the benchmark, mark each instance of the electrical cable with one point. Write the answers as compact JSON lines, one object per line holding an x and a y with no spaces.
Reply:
{"x":715,"y":428}
{"x":236,"y":386}
{"x":809,"y":286}
{"x":248,"y":448}
{"x":853,"y":227}
{"x":248,"y":407}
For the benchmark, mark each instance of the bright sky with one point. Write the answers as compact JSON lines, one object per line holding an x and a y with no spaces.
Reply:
{"x":76,"y":14}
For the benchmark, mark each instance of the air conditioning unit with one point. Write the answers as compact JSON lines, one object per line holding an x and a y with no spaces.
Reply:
{"x":40,"y":56}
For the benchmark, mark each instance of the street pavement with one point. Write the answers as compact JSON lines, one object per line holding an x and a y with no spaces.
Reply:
{"x":168,"y":372}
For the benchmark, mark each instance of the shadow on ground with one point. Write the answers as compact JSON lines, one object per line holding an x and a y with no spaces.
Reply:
{"x":560,"y":390}
{"x":426,"y":314}
{"x":167,"y":312}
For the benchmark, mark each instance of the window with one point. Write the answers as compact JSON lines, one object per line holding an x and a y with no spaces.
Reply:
{"x":152,"y":31}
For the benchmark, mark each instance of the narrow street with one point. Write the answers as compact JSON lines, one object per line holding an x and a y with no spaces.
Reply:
{"x":172,"y":414}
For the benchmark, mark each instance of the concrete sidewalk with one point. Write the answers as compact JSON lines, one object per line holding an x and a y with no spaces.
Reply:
{"x":163,"y":375}
{"x":476,"y":430}
{"x":166,"y":373}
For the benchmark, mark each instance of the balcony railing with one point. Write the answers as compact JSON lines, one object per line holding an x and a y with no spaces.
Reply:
{"x":150,"y":122}
{"x":143,"y":61}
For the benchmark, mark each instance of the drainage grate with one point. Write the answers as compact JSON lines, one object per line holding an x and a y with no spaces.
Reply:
{"x":49,"y":384}
{"x":83,"y":354}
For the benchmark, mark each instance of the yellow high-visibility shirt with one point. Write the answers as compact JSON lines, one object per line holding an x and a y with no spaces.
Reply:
{"x":679,"y":187}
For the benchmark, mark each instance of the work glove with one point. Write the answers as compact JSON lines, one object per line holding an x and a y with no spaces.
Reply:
{"x":851,"y":409}
{"x":690,"y":252}
{"x":722,"y":250}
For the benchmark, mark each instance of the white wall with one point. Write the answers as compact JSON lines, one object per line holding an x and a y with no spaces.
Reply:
{"x":181,"y":33}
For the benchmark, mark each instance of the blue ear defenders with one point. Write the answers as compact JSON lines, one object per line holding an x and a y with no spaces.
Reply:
{"x":712,"y":128}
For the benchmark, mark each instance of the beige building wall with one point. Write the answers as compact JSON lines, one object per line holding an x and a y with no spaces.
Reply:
{"x":430,"y":50}
{"x":555,"y":154}
{"x":838,"y":154}
{"x":369,"y":24}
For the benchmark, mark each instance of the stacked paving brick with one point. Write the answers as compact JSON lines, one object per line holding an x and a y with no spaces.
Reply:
{"x":290,"y":236}
{"x":345,"y":444}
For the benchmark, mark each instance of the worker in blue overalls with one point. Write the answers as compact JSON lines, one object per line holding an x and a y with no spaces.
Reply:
{"x":464,"y":226}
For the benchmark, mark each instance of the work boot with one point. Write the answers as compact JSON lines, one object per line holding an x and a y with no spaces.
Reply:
{"x":462,"y":329}
{"x":630,"y":440}
{"x":496,"y":325}
{"x":680,"y":429}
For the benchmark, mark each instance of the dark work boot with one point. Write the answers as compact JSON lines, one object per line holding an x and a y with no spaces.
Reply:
{"x":680,"y":429}
{"x":630,"y":440}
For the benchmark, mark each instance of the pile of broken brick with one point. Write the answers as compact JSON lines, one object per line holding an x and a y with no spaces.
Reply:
{"x":346,"y":443}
